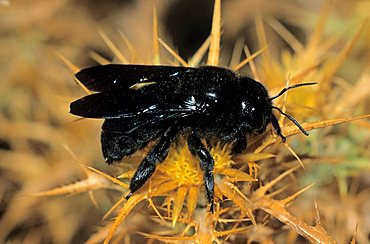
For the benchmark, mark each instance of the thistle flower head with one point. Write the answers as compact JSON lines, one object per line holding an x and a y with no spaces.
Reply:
{"x":182,"y":167}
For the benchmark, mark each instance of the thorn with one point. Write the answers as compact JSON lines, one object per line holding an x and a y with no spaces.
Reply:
{"x":317,"y":219}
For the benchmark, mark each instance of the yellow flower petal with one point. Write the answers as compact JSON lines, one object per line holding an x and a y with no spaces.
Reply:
{"x":192,"y":199}
{"x":178,"y":203}
{"x":237,"y":175}
{"x":252,"y":156}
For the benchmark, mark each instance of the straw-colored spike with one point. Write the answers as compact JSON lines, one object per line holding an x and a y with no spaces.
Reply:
{"x":156,"y":53}
{"x":232,"y":192}
{"x":169,"y":239}
{"x":294,"y":154}
{"x":75,"y":157}
{"x":278,"y":191}
{"x":93,"y":199}
{"x":285,"y":34}
{"x":262,"y":190}
{"x":85,"y":185}
{"x":113,"y":47}
{"x":249,"y":59}
{"x":293,"y":130}
{"x":251,"y":63}
{"x":113,"y":179}
{"x":199,"y":54}
{"x":125,"y":210}
{"x":317,"y":218}
{"x":298,"y":77}
{"x":151,"y":203}
{"x":285,"y":98}
{"x":98,"y":58}
{"x":237,"y":52}
{"x":110,"y":211}
{"x":173,"y":53}
{"x":291,"y":198}
{"x":214,"y":49}
{"x":262,"y":39}
{"x":74,"y":69}
{"x":130,"y":47}
{"x":311,"y":233}
{"x":231,"y":232}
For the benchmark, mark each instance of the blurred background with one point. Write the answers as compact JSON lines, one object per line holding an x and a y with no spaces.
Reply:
{"x":42,"y":145}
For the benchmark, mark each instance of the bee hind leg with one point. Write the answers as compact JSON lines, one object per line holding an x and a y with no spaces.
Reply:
{"x":197,"y":148}
{"x":157,"y":155}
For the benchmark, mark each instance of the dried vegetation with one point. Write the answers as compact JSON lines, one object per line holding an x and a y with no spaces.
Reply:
{"x":55,"y":186}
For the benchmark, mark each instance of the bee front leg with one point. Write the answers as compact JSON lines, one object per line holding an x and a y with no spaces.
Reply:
{"x":275,"y":124}
{"x":197,"y":148}
{"x":157,"y":155}
{"x":240,"y":143}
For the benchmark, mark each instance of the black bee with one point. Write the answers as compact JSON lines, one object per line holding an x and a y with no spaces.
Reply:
{"x":142,"y":103}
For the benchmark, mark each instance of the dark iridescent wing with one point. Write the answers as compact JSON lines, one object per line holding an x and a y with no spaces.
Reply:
{"x":135,"y":108}
{"x":132,"y":103}
{"x":177,"y":92}
{"x":110,"y":77}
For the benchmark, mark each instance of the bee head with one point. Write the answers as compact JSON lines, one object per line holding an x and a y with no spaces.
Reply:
{"x":255,"y":105}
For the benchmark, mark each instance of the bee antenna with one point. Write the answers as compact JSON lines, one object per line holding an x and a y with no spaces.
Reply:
{"x":291,"y":87}
{"x":292,"y":119}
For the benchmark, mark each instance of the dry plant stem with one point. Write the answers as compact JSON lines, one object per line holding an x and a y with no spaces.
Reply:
{"x":315,"y":234}
{"x":285,"y":34}
{"x":98,"y":58}
{"x":231,"y":192}
{"x":248,"y":59}
{"x":114,"y":48}
{"x":199,"y":54}
{"x":205,"y":230}
{"x":252,"y":65}
{"x":73,"y":69}
{"x":156,"y":54}
{"x":214,"y":49}
{"x":129,"y":205}
{"x":173,"y":53}
{"x":292,"y":130}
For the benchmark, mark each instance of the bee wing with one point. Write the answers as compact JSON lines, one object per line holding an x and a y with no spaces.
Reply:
{"x":110,"y":77}
{"x":132,"y":103}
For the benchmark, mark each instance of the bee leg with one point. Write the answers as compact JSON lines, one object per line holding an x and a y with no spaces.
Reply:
{"x":197,"y":148}
{"x":275,"y":124}
{"x":157,"y":155}
{"x":116,"y":144}
{"x":239,"y":144}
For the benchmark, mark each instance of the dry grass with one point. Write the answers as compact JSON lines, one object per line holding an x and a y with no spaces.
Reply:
{"x":314,"y":187}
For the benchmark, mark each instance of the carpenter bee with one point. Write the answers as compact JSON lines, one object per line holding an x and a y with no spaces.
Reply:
{"x":144,"y":103}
